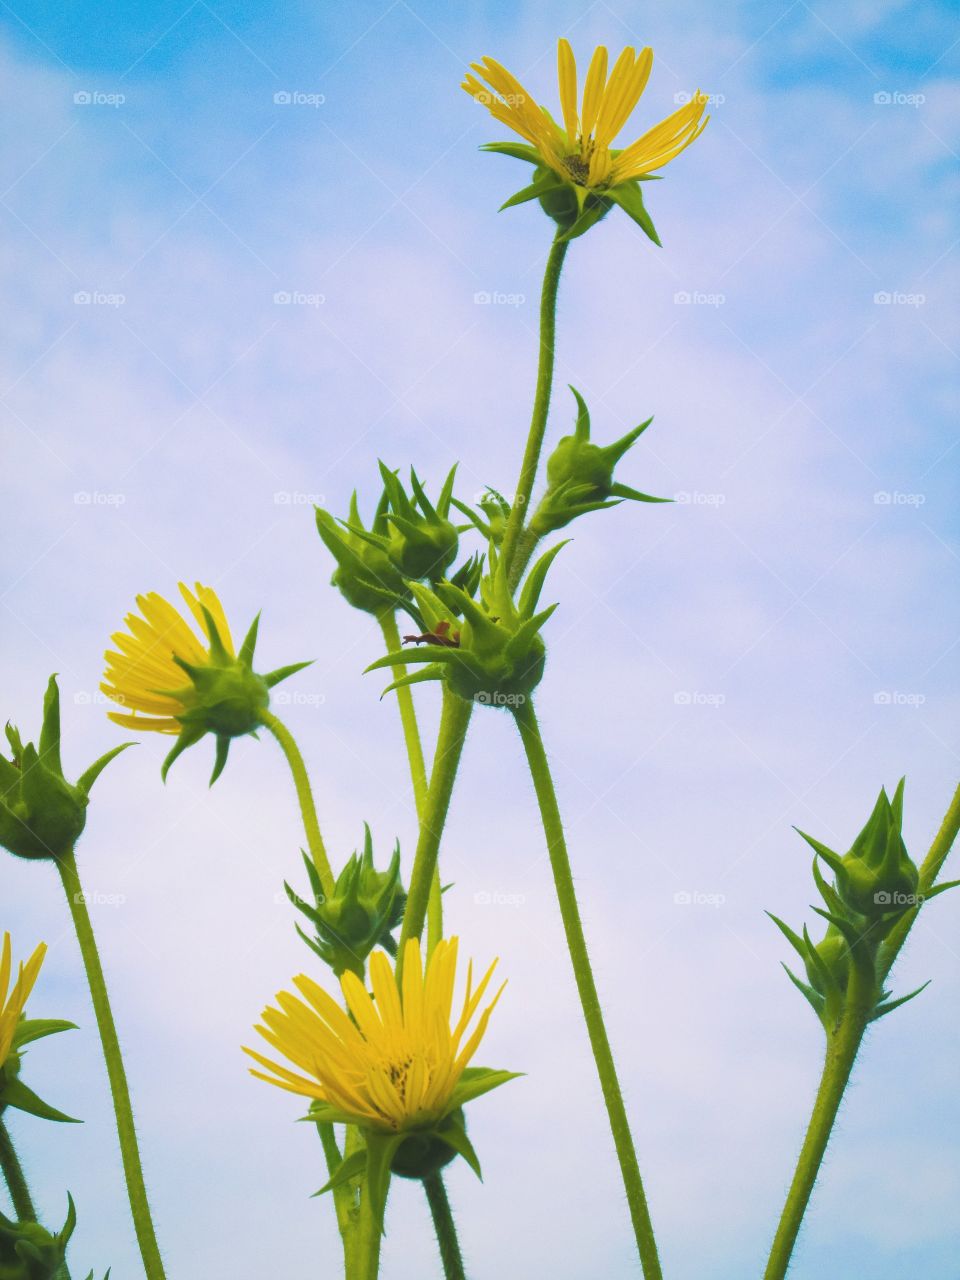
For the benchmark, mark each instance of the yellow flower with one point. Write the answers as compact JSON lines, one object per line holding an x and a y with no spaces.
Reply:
{"x":170,"y":681}
{"x":580,"y":155}
{"x":392,"y":1064}
{"x":144,"y":675}
{"x":398,"y":1063}
{"x":12,"y":1009}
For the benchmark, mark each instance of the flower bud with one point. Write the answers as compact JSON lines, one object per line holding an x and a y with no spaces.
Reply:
{"x":423,"y":1154}
{"x":29,"y":1252}
{"x":580,"y":475}
{"x":493,"y":522}
{"x":496,"y":655}
{"x":365,"y":575}
{"x":423,"y":541}
{"x":877,"y":878}
{"x":364,"y":909}
{"x":41,"y":814}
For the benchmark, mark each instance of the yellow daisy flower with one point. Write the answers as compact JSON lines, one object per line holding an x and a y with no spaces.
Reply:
{"x":169,"y":680}
{"x":580,"y":155}
{"x":392,"y":1063}
{"x":11,"y":1010}
{"x":144,"y":674}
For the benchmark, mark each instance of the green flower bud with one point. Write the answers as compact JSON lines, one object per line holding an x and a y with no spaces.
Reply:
{"x":833,"y":955}
{"x":364,"y":909}
{"x":365,"y":575}
{"x":496,"y":656}
{"x":580,"y":476}
{"x":877,"y":878}
{"x":493,"y":522}
{"x":423,"y":541}
{"x":29,"y":1252}
{"x":41,"y":814}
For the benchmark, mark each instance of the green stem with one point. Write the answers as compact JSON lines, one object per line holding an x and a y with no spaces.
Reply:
{"x":587,"y":989}
{"x":369,"y":1237}
{"x":842,"y":1048}
{"x":454,"y":722}
{"x":843,"y":1044}
{"x":129,"y":1151}
{"x":308,"y":809}
{"x":929,"y":870}
{"x":445,"y":1228}
{"x":15,"y":1178}
{"x":418,"y":771}
{"x":541,"y":400}
{"x":526,"y":545}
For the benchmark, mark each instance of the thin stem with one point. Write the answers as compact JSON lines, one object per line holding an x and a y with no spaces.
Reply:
{"x":369,"y":1237}
{"x":526,"y":545}
{"x":15,"y":1178}
{"x":445,"y":1228}
{"x":843,"y":1044}
{"x":126,"y":1131}
{"x":929,"y":870}
{"x":454,"y":722}
{"x":418,"y":770}
{"x":541,"y":400}
{"x":587,"y":989}
{"x":842,"y":1048}
{"x":308,"y":809}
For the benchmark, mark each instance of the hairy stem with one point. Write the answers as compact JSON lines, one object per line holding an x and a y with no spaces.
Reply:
{"x":15,"y":1178}
{"x":587,"y":989}
{"x":126,"y":1131}
{"x":418,"y":770}
{"x":445,"y":1228}
{"x":308,"y":809}
{"x":541,"y":400}
{"x":454,"y":722}
{"x":843,"y":1045}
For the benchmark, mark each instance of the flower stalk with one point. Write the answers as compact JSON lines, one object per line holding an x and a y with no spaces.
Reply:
{"x":308,"y":809}
{"x":445,"y":1227}
{"x":587,"y":989}
{"x":15,"y":1177}
{"x":116,"y":1073}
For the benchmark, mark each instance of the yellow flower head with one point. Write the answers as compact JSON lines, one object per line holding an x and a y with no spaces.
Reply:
{"x":397,"y":1064}
{"x":11,"y":1010}
{"x":144,"y":675}
{"x":170,"y":681}
{"x":580,"y":154}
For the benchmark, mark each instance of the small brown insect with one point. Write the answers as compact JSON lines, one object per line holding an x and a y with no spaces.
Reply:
{"x":442,"y":635}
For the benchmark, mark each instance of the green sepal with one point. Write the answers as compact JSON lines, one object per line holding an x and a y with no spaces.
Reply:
{"x":454,"y":1135}
{"x":890,"y":1005}
{"x":792,"y":937}
{"x":189,"y":736}
{"x":381,"y":1148}
{"x":813,"y":998}
{"x":31,"y":1029}
{"x":351,"y":1167}
{"x":14,"y":1093}
{"x":283,"y":673}
{"x":546,"y":181}
{"x":940,"y":888}
{"x":477,"y":1081}
{"x":630,"y":199}
{"x":89,"y":776}
{"x":518,"y":150}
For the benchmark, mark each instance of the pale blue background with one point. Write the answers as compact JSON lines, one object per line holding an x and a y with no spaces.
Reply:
{"x":200,"y":419}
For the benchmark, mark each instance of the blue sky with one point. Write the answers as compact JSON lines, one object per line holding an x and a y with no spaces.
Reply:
{"x":766,"y":652}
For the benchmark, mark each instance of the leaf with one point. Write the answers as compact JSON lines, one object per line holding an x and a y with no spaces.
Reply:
{"x":30,"y":1029}
{"x":16,"y":1094}
{"x":889,"y":1007}
{"x":351,"y":1167}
